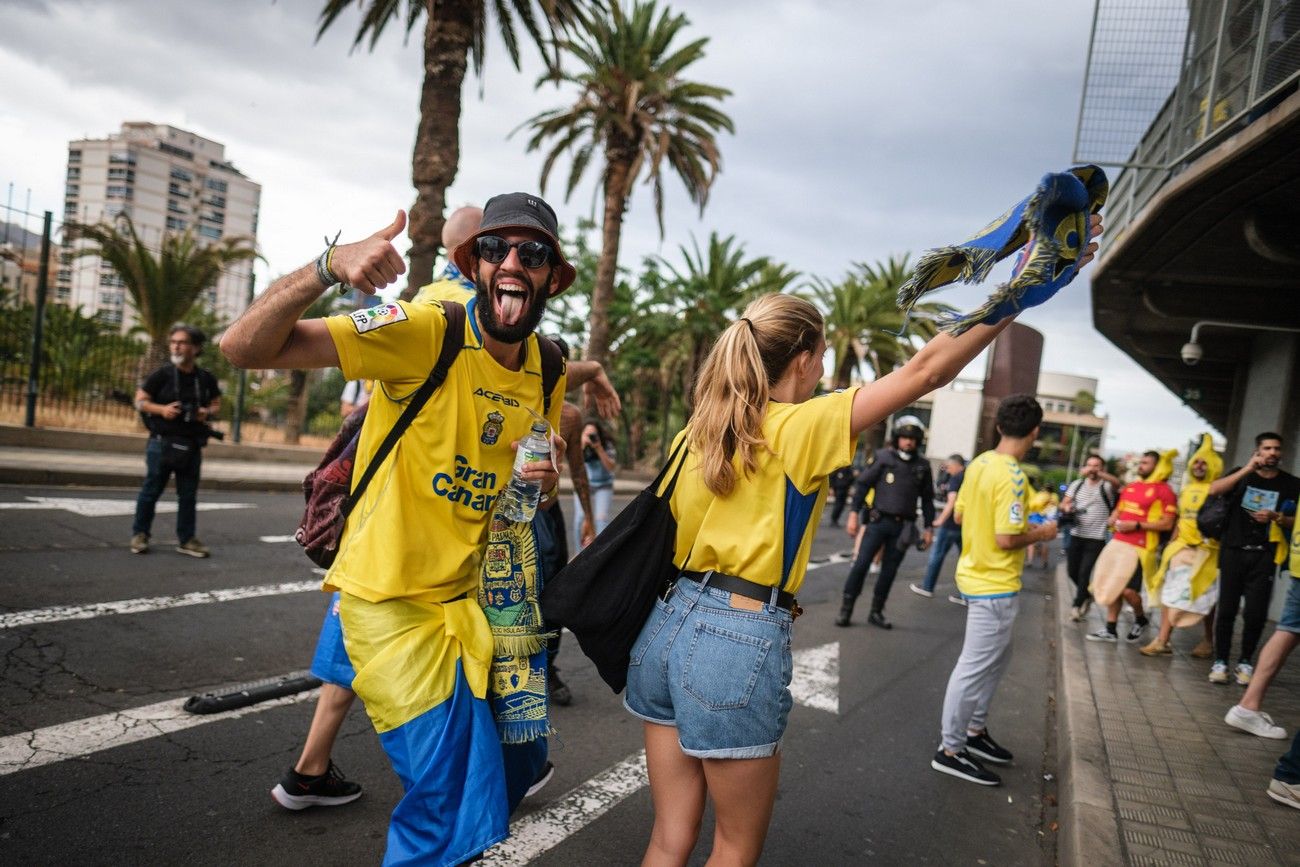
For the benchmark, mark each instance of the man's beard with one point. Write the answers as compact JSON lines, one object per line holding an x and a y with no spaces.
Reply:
{"x":487,"y":312}
{"x":178,"y":360}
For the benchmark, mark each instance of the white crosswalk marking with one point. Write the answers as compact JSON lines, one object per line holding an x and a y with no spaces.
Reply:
{"x":83,"y":737}
{"x":36,"y":616}
{"x":102,"y":508}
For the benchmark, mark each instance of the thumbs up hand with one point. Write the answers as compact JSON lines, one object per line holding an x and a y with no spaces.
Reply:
{"x":372,"y":263}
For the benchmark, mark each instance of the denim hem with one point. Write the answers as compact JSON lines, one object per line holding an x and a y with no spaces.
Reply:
{"x":649,"y":719}
{"x":762,"y":751}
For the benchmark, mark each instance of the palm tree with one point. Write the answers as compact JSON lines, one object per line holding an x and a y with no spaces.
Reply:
{"x":634,"y":107}
{"x":863,"y":323}
{"x":711,"y":290}
{"x":163,"y":284}
{"x":455,"y":34}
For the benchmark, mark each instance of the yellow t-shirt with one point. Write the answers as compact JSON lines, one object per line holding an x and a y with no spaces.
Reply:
{"x":993,"y":499}
{"x":1294,"y":565}
{"x":420,"y":529}
{"x":1190,"y":500}
{"x":763,"y":530}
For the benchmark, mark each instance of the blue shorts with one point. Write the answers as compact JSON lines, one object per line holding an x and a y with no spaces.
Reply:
{"x":720,"y":674}
{"x":1290,"y":619}
{"x":331,"y":663}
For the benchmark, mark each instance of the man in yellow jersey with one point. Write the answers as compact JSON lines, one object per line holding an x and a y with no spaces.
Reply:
{"x":993,"y":511}
{"x":409,"y":563}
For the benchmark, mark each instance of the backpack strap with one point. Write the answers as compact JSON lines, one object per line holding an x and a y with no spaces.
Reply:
{"x":453,"y":340}
{"x":553,"y":367}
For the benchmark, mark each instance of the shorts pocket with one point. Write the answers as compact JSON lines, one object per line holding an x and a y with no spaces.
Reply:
{"x":723,"y":666}
{"x":659,"y":615}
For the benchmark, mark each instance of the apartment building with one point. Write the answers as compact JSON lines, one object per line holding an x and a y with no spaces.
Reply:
{"x":167,"y":180}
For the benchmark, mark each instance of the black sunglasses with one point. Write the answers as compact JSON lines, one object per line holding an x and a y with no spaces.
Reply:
{"x":494,"y":249}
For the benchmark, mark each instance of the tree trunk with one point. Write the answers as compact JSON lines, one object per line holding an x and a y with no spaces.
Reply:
{"x":844,"y":370}
{"x":296,"y":413}
{"x":448,"y":32}
{"x":617,"y":166}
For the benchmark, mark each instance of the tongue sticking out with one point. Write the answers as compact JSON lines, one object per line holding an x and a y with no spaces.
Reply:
{"x":511,"y":308}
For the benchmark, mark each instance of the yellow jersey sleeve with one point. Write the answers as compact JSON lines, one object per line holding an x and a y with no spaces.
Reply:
{"x":1010,"y":517}
{"x":815,"y":438}
{"x":393,"y":342}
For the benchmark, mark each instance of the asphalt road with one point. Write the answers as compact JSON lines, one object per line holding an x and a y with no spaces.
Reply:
{"x":856,"y":785}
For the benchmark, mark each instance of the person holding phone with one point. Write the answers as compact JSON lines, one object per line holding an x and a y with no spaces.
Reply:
{"x":1250,"y":550}
{"x":598,"y":454}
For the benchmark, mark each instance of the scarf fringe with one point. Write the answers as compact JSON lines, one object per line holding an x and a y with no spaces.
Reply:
{"x":523,"y":732}
{"x":521,"y":645}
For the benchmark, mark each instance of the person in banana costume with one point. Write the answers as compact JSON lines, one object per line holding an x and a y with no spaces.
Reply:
{"x":1146,"y":508}
{"x":1186,"y":582}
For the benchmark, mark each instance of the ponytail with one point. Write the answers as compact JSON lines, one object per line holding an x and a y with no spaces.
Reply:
{"x":734,"y":385}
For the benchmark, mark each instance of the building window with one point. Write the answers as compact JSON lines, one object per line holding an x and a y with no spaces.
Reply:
{"x":113,"y":209}
{"x":121,"y":174}
{"x":215,"y":201}
{"x":216,"y":185}
{"x":110,"y":278}
{"x":110,"y":299}
{"x":175,"y":190}
{"x":176,"y":225}
{"x":73,"y":190}
{"x":110,"y":315}
{"x":210,"y":232}
{"x":179,"y":174}
{"x":125,"y":157}
{"x":63,"y":293}
{"x":74,"y":173}
{"x":175,"y":208}
{"x":74,"y":156}
{"x":213,"y":217}
{"x":65,"y":275}
{"x":118,"y":192}
{"x":172,"y":149}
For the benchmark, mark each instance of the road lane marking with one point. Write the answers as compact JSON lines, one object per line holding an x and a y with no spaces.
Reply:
{"x":815,"y":683}
{"x":275,"y":538}
{"x":84,"y":737}
{"x":37,"y":616}
{"x":101,"y":508}
{"x":539,"y":832}
{"x":830,"y":561}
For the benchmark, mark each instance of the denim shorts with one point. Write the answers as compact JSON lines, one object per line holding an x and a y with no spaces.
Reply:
{"x":720,"y":674}
{"x":1290,"y":619}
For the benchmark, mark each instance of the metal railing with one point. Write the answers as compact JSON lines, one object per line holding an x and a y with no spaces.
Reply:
{"x":1237,"y":59}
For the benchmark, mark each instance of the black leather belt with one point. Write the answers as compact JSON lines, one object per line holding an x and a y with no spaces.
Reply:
{"x":745,"y":588}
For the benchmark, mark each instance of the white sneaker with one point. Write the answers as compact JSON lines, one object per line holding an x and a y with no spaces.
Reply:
{"x":1102,"y":634}
{"x":957,"y":600}
{"x":875,"y":568}
{"x":1284,"y":793}
{"x":920,"y":591}
{"x":1254,"y":721}
{"x":1219,"y":672}
{"x":1244,"y":672}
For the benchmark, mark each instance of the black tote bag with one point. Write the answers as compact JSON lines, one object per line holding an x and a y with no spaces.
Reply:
{"x":605,"y":594}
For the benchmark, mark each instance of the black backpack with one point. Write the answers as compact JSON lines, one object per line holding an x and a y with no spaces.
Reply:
{"x":1212,"y":517}
{"x":329,"y":490}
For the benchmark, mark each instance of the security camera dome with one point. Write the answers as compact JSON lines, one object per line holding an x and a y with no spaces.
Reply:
{"x":1191,"y":353}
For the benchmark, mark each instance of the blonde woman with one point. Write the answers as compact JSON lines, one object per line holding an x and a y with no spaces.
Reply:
{"x":710,"y":671}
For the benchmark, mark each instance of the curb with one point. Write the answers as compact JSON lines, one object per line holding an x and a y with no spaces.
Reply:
{"x":1089,"y":818}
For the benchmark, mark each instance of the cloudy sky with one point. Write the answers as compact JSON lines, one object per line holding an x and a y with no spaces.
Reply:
{"x":863,"y":129}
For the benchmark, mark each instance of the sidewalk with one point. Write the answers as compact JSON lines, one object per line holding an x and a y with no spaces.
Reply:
{"x":1150,"y":773}
{"x":104,"y":468}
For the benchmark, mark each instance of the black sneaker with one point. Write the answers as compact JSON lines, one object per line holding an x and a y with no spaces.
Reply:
{"x":877,"y":618}
{"x":559,"y":691}
{"x":984,"y":747}
{"x":543,"y":777}
{"x":1136,"y":633}
{"x":298,"y":792}
{"x":964,"y":767}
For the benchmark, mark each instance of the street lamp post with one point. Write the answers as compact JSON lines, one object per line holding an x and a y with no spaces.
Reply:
{"x":1069,"y":470}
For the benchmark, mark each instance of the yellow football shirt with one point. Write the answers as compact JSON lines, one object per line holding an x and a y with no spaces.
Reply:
{"x":763,"y":530}
{"x":444,"y":290}
{"x":1190,"y":500}
{"x":420,"y":529}
{"x":1294,"y":565}
{"x":993,"y":499}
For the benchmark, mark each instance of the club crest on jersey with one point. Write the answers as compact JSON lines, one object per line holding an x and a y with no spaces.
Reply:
{"x":492,"y":428}
{"x":1017,"y":514}
{"x":377,"y":317}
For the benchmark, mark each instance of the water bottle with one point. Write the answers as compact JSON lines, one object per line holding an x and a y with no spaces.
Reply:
{"x":519,"y":499}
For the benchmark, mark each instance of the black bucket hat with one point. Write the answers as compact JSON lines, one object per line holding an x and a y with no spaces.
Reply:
{"x":517,"y":211}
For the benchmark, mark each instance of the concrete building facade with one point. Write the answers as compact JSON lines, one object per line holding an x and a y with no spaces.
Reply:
{"x":167,"y":180}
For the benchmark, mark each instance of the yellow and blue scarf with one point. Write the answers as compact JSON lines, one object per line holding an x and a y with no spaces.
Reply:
{"x":508,"y":593}
{"x":1051,"y":227}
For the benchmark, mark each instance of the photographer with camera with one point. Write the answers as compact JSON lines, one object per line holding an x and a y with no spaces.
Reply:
{"x":1086,"y":508}
{"x":598,"y":454}
{"x":176,"y":401}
